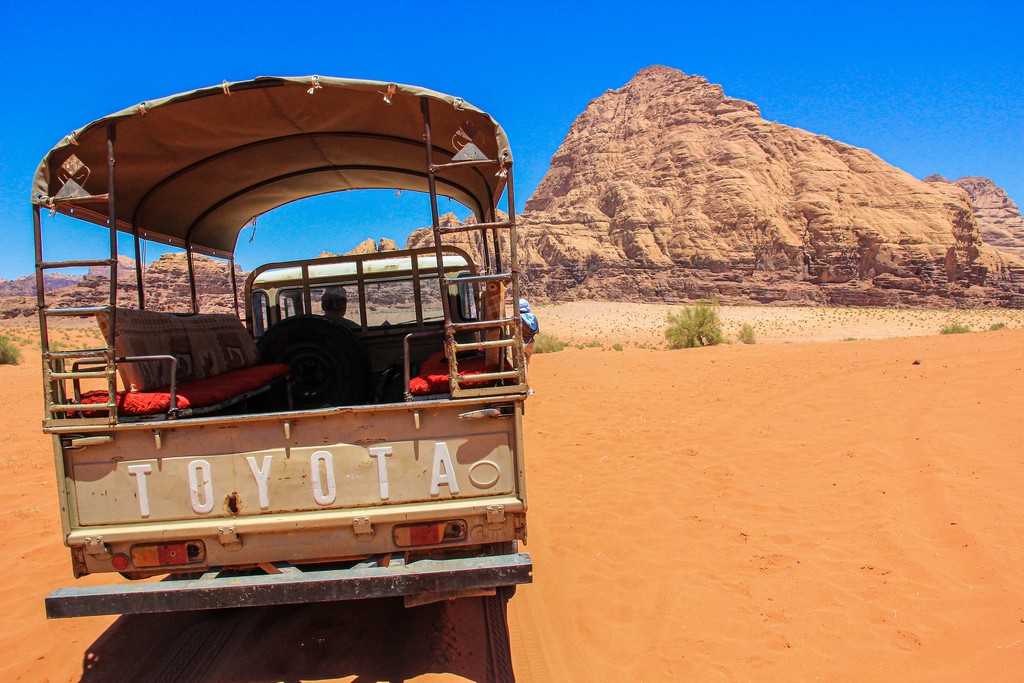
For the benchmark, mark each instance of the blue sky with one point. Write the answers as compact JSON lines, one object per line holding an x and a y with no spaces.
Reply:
{"x":931,"y":87}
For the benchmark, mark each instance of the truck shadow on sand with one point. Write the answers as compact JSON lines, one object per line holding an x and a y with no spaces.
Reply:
{"x":372,"y":640}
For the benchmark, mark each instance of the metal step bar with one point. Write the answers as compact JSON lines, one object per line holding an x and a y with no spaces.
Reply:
{"x":292,"y":585}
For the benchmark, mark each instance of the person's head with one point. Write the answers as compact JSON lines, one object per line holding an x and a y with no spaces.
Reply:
{"x":524,"y":306}
{"x":334,"y":302}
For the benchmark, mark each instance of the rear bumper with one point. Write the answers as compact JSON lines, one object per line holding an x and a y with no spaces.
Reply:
{"x":292,"y":585}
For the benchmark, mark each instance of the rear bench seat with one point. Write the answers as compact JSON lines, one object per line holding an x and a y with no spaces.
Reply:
{"x":216,"y":359}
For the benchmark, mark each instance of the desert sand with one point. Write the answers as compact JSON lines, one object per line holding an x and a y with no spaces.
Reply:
{"x":834,"y":510}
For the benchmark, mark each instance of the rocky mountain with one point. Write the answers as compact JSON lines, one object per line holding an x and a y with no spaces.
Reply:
{"x":668,"y":190}
{"x":999,"y":219}
{"x":165,"y":282}
{"x":26,"y":284}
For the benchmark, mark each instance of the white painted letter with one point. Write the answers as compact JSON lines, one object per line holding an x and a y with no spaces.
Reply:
{"x":194,"y":469}
{"x":381,"y":453}
{"x":441,"y":457}
{"x":319,"y":496}
{"x":261,"y":476}
{"x":140,"y":472}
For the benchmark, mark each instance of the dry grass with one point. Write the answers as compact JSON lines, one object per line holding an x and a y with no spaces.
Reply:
{"x":643,"y":325}
{"x":603,"y":324}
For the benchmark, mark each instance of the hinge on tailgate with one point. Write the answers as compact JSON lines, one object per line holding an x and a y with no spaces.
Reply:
{"x":495,"y":514}
{"x":228,"y":538}
{"x":95,"y":546}
{"x":362,"y":526}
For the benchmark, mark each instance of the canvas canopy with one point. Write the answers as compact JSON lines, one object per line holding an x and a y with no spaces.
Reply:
{"x":193,"y":169}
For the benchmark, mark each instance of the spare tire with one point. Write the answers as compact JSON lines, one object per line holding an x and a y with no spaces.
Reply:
{"x":329,"y":364}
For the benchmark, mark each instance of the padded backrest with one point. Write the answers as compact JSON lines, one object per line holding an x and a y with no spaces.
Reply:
{"x":220,"y":343}
{"x":147,"y":333}
{"x":205,"y":345}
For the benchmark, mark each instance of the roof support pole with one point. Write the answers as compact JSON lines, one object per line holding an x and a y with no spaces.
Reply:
{"x":435,"y":220}
{"x":191,"y":278}
{"x":37,"y":227}
{"x":112,"y":224}
{"x":138,"y":270}
{"x":234,"y":283}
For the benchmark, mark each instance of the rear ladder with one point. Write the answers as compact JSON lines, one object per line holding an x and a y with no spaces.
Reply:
{"x":61,"y":367}
{"x":499,"y":333}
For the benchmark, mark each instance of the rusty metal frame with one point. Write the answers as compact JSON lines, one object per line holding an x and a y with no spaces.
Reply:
{"x":292,"y":585}
{"x":509,"y":331}
{"x":53,"y":366}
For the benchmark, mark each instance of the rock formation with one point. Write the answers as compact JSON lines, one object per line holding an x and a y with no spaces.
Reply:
{"x":165,"y":281}
{"x":998,"y":217}
{"x":26,"y":284}
{"x":667,"y":190}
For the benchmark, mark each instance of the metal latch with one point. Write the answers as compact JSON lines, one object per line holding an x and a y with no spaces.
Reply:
{"x":74,"y":441}
{"x":495,"y":514}
{"x":95,"y":546}
{"x":228,"y":538}
{"x":362,"y":526}
{"x":480,"y":414}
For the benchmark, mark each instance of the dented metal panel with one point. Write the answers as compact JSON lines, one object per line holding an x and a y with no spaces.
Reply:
{"x":324,"y":463}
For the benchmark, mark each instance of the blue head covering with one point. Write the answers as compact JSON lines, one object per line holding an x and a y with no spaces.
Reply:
{"x":527,"y":316}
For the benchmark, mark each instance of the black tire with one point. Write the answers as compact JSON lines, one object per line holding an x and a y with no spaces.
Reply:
{"x":329,"y":364}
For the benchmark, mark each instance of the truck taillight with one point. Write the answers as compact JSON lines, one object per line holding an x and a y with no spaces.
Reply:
{"x":120,"y":562}
{"x":168,"y":554}
{"x":430,"y":533}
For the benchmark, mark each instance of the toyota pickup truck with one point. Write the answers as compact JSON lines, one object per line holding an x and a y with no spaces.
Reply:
{"x":353,"y":428}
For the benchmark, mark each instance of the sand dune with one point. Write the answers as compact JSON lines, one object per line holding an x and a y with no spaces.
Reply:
{"x":826,"y":511}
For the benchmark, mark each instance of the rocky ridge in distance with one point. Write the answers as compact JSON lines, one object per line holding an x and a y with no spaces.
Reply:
{"x":667,"y":190}
{"x":999,"y":219}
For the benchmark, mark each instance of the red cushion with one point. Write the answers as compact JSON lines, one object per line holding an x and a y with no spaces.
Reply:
{"x":433,"y":377}
{"x":135,"y":402}
{"x":219,"y":388}
{"x":198,"y":393}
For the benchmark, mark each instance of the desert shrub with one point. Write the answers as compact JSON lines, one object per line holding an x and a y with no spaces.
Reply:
{"x":955,"y":328}
{"x":694,"y":326}
{"x":746,"y":335}
{"x":9,"y":353}
{"x":593,"y":344}
{"x":997,"y":326}
{"x":547,"y":343}
{"x":616,"y":347}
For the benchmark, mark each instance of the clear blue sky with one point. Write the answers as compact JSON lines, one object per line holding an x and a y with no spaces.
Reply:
{"x":931,"y":87}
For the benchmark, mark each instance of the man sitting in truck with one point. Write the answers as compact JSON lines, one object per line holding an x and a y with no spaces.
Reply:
{"x":334,"y":304}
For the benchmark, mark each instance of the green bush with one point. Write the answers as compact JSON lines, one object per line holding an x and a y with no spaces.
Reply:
{"x":997,"y":326}
{"x":547,"y":343}
{"x":616,"y":347}
{"x":955,"y":328}
{"x":9,"y":353}
{"x":746,"y":335}
{"x":694,"y":326}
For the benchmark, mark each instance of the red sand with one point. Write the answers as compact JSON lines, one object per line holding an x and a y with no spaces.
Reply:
{"x":788,"y":512}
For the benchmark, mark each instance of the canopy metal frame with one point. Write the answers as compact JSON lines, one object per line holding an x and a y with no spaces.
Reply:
{"x":501,"y":333}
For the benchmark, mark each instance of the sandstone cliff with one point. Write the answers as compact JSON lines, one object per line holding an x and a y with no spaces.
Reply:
{"x":166,"y":286}
{"x":26,"y":284}
{"x":998,"y":217}
{"x":668,"y":190}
